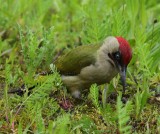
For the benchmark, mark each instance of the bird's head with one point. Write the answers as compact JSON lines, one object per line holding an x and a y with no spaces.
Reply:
{"x":120,"y":54}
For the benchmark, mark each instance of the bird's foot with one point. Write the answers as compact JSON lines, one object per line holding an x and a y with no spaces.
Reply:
{"x":65,"y":104}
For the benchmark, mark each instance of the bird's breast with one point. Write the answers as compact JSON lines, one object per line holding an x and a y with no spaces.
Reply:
{"x":98,"y":73}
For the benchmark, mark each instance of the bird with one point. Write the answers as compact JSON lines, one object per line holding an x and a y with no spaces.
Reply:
{"x":98,"y":63}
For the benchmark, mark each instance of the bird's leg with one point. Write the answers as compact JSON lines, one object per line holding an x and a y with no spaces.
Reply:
{"x":64,"y":102}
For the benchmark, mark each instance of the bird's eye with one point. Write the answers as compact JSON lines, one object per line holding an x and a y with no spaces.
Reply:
{"x":117,"y":56}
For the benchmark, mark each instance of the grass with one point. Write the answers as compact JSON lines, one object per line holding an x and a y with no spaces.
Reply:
{"x":32,"y":33}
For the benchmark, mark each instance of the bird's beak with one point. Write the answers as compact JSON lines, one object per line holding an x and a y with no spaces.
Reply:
{"x":122,"y":70}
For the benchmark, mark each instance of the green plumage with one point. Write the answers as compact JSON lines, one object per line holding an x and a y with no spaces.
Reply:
{"x":73,"y":61}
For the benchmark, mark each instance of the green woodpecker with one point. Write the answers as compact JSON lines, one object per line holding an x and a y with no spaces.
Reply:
{"x":98,"y":64}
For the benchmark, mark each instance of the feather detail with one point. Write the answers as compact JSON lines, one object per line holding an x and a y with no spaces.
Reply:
{"x":72,"y":62}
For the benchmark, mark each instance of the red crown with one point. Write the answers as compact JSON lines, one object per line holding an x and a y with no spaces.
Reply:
{"x":125,"y":50}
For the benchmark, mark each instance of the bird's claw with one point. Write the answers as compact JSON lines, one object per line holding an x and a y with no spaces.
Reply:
{"x":65,"y":104}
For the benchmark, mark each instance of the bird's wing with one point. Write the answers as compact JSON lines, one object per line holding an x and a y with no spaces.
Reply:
{"x":72,"y":62}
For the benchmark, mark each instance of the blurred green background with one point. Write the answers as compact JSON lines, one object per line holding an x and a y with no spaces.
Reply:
{"x":31,"y":35}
